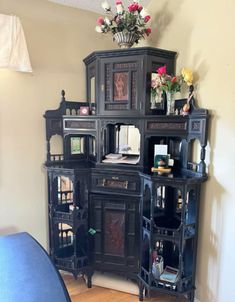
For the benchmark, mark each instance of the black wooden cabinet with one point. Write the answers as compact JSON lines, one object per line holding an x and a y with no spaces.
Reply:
{"x":113,"y":214}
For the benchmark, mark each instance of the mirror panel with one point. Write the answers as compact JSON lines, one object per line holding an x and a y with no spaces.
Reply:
{"x":77,"y":145}
{"x":128,"y":140}
{"x":92,"y":89}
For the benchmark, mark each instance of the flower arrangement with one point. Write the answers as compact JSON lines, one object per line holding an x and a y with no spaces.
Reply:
{"x":133,"y":20}
{"x":161,"y":81}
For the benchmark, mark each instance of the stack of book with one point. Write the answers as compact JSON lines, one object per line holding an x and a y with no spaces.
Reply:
{"x":170,"y":274}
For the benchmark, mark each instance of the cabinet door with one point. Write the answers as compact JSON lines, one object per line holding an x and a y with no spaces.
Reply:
{"x":121,"y":83}
{"x":116,"y":242}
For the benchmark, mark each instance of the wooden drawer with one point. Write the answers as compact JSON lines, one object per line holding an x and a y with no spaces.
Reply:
{"x":116,"y":182}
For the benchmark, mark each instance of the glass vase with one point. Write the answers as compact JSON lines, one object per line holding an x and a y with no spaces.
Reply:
{"x":170,"y":103}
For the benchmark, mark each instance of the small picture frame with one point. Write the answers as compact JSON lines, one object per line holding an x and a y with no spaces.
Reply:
{"x":84,"y":110}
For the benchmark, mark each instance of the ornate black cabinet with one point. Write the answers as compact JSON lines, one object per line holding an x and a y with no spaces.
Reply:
{"x":115,"y":214}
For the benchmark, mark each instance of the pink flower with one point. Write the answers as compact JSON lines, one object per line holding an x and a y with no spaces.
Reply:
{"x":161,"y":70}
{"x":100,"y":21}
{"x":119,"y":7}
{"x":133,"y":7}
{"x":148,"y":31}
{"x":140,"y":8}
{"x":146,"y":18}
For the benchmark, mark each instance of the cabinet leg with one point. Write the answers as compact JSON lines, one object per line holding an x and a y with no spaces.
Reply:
{"x":146,"y":292}
{"x":89,"y":278}
{"x":191,"y":296}
{"x":141,"y":292}
{"x":75,"y":275}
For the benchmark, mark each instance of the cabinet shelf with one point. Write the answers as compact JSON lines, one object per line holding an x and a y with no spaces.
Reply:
{"x":179,"y":176}
{"x":188,"y":231}
{"x":182,"y":286}
{"x":75,"y":217}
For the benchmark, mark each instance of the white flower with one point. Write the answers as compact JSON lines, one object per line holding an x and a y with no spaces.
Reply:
{"x":98,"y":29}
{"x":119,"y":8}
{"x":144,"y":13}
{"x":105,"y":5}
{"x":107,"y":21}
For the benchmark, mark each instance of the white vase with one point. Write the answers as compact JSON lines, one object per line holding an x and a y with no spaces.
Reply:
{"x":170,"y":103}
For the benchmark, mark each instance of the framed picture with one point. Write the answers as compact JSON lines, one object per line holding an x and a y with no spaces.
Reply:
{"x":120,"y":86}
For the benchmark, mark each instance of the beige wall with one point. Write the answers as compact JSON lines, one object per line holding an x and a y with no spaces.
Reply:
{"x":202,"y":32}
{"x":58,"y":39}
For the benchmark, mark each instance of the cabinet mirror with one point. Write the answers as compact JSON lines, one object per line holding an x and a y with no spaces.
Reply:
{"x":127,"y":139}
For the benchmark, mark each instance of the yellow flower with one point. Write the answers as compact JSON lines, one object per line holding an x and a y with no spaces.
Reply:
{"x":187,"y":76}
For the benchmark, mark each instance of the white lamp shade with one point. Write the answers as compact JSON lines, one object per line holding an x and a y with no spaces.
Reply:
{"x":13,"y":48}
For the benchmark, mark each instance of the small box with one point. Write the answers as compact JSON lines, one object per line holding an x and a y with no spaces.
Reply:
{"x":84,"y":110}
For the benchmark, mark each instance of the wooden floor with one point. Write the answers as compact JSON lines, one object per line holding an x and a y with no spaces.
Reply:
{"x":79,"y":292}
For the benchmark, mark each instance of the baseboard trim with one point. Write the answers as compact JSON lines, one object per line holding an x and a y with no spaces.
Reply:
{"x":115,"y":282}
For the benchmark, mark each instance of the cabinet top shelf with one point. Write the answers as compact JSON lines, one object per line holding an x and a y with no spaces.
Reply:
{"x":179,"y":176}
{"x":129,"y":52}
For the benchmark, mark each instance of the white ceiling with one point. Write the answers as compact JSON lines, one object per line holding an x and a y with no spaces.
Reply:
{"x":95,"y":5}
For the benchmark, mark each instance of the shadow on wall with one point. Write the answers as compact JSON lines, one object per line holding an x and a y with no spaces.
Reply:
{"x":9,"y":230}
{"x":161,"y":20}
{"x":211,"y":230}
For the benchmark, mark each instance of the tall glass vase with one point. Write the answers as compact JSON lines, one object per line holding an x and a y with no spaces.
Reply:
{"x":170,"y":103}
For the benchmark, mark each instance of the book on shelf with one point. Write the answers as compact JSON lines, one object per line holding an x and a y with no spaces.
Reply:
{"x":170,"y":274}
{"x":113,"y":158}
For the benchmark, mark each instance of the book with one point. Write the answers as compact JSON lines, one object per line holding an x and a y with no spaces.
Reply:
{"x":130,"y":159}
{"x":113,"y":156}
{"x":170,"y":274}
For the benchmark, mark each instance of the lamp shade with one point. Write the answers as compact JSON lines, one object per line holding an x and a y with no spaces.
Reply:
{"x":13,"y":48}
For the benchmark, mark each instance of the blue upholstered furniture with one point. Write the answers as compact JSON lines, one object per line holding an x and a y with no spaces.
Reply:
{"x":27,"y":273}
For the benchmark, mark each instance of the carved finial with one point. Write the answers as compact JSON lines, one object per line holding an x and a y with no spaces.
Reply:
{"x":191,"y":89}
{"x":63,"y":95}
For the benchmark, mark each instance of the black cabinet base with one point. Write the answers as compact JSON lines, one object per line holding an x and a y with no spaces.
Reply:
{"x":145,"y":290}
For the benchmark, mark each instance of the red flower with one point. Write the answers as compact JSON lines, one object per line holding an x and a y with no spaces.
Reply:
{"x":118,"y":2}
{"x":100,"y":21}
{"x":148,"y":31}
{"x":161,"y":70}
{"x":146,"y":18}
{"x":133,"y":7}
{"x":173,"y":80}
{"x":140,"y":8}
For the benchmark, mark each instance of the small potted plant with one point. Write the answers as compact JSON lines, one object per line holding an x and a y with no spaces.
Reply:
{"x":127,"y":26}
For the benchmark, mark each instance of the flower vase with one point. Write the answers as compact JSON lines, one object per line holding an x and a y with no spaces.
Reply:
{"x":125,"y":39}
{"x":170,"y":103}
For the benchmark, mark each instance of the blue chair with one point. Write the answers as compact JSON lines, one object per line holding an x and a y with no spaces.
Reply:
{"x":27,"y":273}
